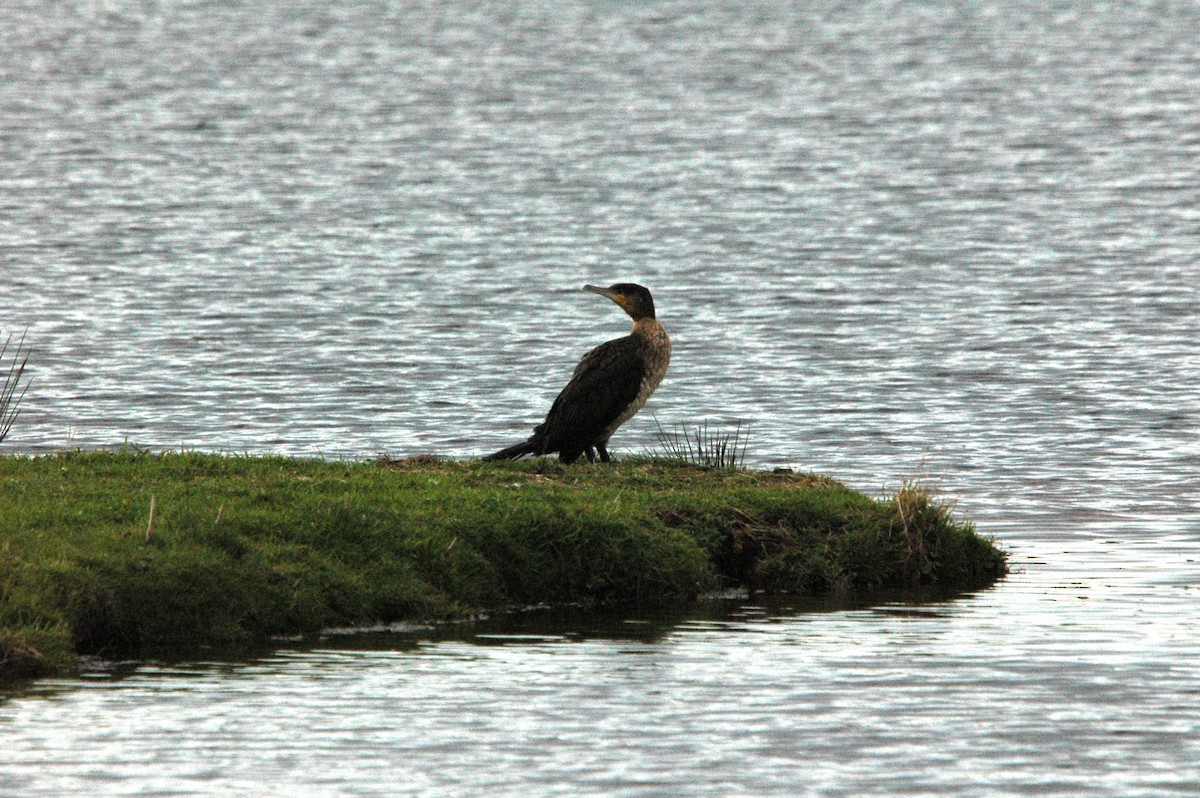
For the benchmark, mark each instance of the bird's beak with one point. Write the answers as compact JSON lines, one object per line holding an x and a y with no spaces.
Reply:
{"x":613,"y":295}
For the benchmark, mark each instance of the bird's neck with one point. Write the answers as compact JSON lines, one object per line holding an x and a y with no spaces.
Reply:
{"x":647,"y":327}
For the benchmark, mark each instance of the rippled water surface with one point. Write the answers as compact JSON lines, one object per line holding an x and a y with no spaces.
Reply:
{"x":950,"y":239}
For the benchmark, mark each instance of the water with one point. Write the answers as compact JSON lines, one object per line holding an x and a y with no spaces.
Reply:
{"x":941,"y":239}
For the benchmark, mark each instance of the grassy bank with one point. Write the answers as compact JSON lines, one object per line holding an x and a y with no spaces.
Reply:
{"x":237,"y":549}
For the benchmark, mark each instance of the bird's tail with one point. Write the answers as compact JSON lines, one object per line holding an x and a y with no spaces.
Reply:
{"x":513,"y":452}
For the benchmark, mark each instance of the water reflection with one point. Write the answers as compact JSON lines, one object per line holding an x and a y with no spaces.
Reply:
{"x":649,"y":702}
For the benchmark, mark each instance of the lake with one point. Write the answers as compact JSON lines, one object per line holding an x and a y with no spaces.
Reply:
{"x":954,"y":242}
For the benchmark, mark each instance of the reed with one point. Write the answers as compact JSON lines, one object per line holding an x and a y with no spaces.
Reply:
{"x":10,"y":400}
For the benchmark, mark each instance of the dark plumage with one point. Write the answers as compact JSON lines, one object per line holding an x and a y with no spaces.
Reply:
{"x":609,"y":385}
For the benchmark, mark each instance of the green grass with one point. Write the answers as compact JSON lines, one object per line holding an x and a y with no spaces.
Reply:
{"x":244,"y":548}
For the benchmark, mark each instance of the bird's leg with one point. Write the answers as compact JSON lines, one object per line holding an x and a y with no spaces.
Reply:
{"x":602,"y":448}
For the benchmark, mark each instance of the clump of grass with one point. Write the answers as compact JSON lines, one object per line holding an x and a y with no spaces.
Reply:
{"x":704,"y":446}
{"x":10,"y":400}
{"x":929,"y":539}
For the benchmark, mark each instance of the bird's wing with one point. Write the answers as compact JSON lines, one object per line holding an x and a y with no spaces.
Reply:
{"x":605,"y":382}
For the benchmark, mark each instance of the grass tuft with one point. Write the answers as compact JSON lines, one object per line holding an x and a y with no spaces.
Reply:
{"x":702,"y":446}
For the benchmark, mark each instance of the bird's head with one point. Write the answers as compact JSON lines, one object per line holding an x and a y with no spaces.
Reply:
{"x":633,"y":298}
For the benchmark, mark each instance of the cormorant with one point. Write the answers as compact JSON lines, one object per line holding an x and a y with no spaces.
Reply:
{"x":609,"y":385}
